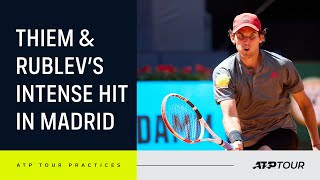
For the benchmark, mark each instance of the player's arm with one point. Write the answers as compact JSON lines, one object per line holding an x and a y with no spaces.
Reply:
{"x":231,"y":123}
{"x":307,"y":110}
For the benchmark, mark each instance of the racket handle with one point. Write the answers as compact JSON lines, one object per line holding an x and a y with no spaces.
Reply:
{"x":226,"y":145}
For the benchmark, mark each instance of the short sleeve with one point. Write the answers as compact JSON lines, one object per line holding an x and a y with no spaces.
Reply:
{"x":222,"y":93}
{"x":293,"y":81}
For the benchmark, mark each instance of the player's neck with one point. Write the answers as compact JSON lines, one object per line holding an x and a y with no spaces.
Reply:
{"x":254,"y":62}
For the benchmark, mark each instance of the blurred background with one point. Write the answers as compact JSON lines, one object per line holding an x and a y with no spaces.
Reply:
{"x":180,"y":42}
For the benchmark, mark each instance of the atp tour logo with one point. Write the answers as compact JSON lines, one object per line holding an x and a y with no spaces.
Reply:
{"x":279,"y":165}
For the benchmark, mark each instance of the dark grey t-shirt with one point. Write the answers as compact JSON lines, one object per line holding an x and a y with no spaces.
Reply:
{"x":262,"y":98}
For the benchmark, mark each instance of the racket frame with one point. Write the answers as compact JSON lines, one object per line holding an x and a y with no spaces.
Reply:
{"x":203,"y":124}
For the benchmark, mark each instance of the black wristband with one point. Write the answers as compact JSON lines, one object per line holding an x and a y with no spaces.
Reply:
{"x":235,"y":135}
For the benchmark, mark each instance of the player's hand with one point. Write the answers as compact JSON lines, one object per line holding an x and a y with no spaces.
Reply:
{"x":237,"y":146}
{"x":316,"y":147}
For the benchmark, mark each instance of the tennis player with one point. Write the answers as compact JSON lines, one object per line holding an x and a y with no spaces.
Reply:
{"x":255,"y":99}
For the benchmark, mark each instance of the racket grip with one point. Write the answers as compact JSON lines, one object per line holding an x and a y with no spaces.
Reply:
{"x":226,"y":145}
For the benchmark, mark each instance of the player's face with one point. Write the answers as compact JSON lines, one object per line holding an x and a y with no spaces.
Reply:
{"x":247,"y":40}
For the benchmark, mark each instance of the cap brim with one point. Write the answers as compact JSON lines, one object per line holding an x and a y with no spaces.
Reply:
{"x":245,"y":25}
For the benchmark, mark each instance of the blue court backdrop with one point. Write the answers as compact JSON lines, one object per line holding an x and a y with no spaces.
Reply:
{"x":153,"y":135}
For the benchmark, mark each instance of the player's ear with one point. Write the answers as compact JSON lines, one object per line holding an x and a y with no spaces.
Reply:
{"x":232,"y":38}
{"x":261,"y":38}
{"x":262,"y":35}
{"x":231,"y":35}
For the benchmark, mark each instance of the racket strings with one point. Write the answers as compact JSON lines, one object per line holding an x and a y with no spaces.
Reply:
{"x":182,"y":118}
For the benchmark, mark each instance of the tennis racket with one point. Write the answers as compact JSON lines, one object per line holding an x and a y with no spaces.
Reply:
{"x":185,"y":122}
